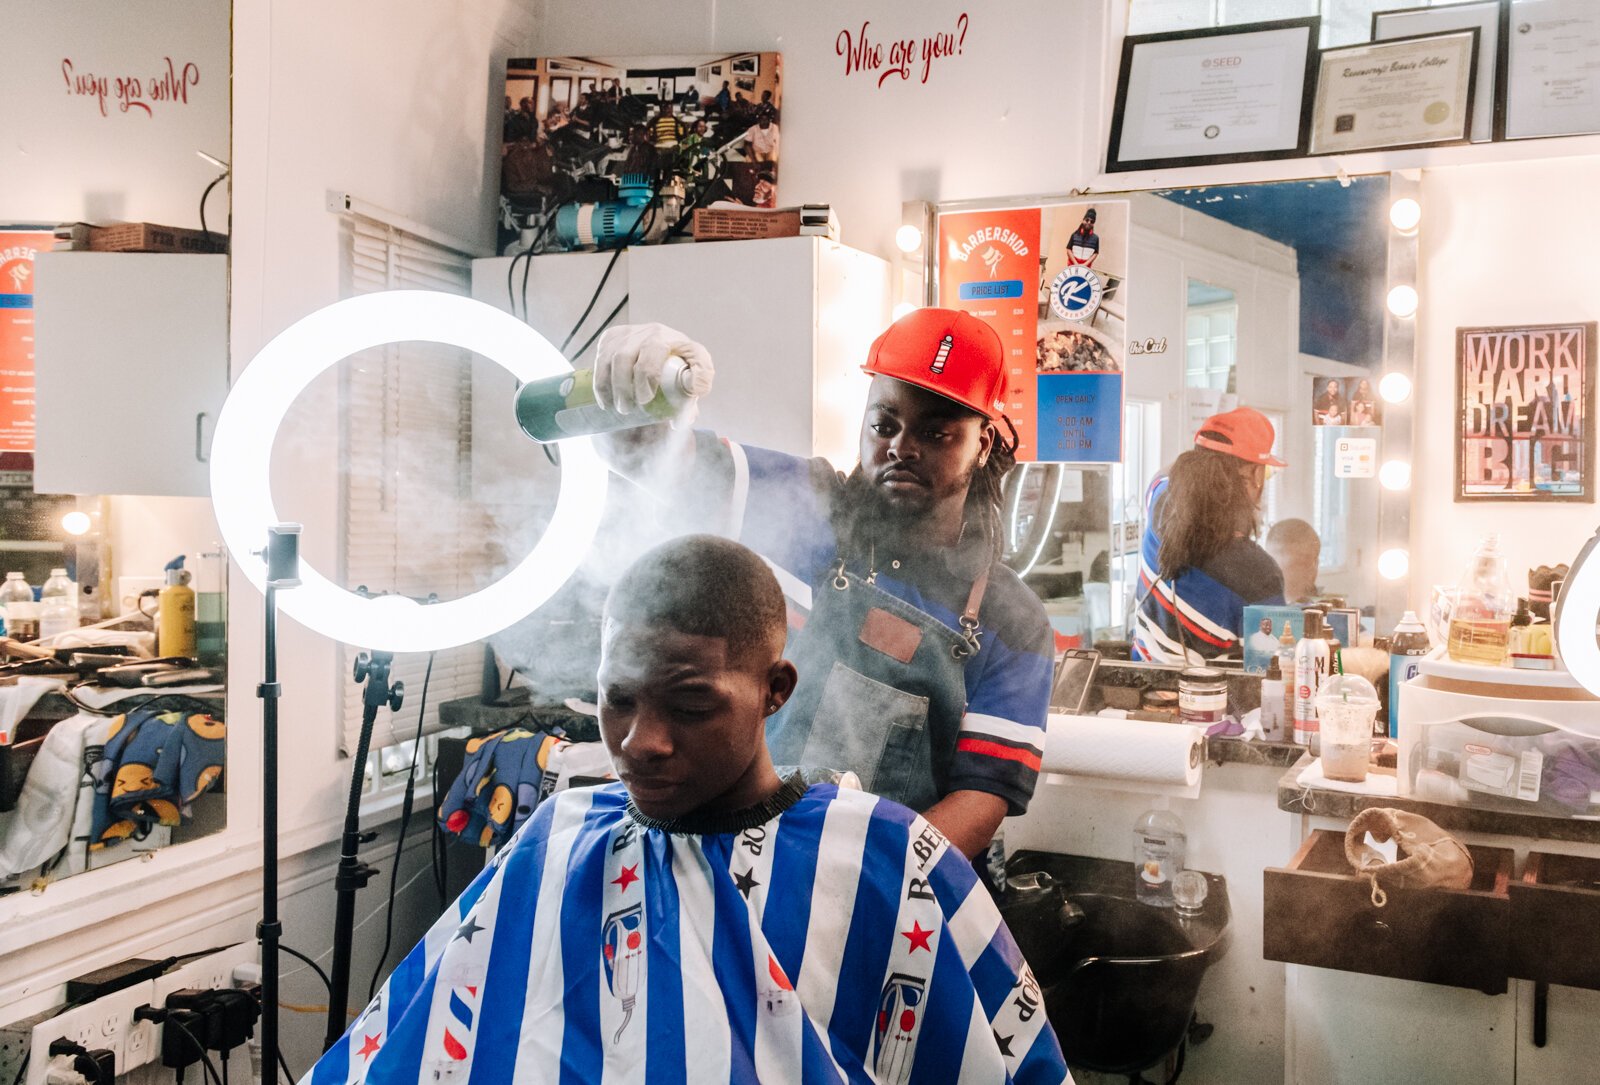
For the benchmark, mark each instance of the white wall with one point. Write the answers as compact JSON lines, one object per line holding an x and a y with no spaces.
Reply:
{"x":1005,"y":116}
{"x":64,"y":160}
{"x":1543,"y":273}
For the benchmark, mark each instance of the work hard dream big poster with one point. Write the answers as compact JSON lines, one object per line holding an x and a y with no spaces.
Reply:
{"x":1052,"y":281}
{"x":1525,"y":429}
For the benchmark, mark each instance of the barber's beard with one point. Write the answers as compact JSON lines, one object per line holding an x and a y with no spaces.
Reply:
{"x":875,"y":517}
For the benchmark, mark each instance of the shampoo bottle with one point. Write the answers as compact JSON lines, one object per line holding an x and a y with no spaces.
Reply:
{"x":1159,"y":844}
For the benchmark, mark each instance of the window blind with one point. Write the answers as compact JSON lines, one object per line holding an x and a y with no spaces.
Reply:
{"x":408,"y":524}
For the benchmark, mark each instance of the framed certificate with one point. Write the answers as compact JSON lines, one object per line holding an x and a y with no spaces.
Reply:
{"x":1487,"y":104}
{"x":1231,"y":94}
{"x":1552,"y":68}
{"x":1409,"y":92}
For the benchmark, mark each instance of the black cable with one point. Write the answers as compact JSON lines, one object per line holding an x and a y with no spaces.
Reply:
{"x":593,"y":298}
{"x":405,"y":821}
{"x":436,"y":839}
{"x":225,"y":1068}
{"x":511,"y":273}
{"x":203,"y":197}
{"x":283,"y":1063}
{"x":587,"y":343}
{"x":315,"y":967}
{"x":211,"y":1067}
{"x":22,"y":1071}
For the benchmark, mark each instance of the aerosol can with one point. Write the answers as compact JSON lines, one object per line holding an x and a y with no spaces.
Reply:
{"x":556,"y":408}
{"x":175,"y":627}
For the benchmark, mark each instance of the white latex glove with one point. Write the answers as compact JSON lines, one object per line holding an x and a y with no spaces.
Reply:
{"x":629,"y":361}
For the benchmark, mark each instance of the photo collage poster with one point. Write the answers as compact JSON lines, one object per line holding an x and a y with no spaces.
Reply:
{"x":580,"y":134}
{"x":1346,"y":401}
{"x":1053,"y":282}
{"x":1525,"y":428}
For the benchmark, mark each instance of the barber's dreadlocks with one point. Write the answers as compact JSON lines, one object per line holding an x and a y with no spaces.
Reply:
{"x":855,"y":521}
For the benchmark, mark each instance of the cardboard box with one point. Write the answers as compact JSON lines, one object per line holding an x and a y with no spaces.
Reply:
{"x":148,"y":237}
{"x":723,"y":224}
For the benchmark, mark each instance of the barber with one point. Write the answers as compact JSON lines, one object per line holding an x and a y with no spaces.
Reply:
{"x":924,"y":661}
{"x":1199,"y":563}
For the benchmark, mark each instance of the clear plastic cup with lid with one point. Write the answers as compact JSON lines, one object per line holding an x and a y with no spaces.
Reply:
{"x":1346,"y":706}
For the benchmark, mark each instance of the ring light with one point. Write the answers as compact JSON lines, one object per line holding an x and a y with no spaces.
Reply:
{"x":241,"y":455}
{"x":1574,"y":619}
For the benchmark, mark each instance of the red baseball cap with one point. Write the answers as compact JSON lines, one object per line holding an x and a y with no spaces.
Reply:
{"x":1241,"y":432}
{"x":951,"y":353}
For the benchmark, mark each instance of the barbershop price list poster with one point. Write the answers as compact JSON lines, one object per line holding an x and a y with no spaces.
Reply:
{"x":1052,"y":281}
{"x":17,"y":250}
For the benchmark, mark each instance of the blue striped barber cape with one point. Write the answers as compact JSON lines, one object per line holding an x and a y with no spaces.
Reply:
{"x":842,"y":941}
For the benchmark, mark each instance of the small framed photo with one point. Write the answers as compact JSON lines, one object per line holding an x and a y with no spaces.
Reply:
{"x":1406,"y":92}
{"x":1488,"y":105}
{"x":750,"y":65}
{"x":1230,"y":94}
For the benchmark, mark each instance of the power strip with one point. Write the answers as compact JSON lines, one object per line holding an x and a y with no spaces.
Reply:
{"x":108,"y":1022}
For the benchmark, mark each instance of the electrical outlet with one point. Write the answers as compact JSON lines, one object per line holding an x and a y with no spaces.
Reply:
{"x":210,"y":973}
{"x":129,"y":587}
{"x":103,"y":1023}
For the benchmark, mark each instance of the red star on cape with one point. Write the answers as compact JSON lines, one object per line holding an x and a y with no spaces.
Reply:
{"x":629,"y":875}
{"x":370,"y":1048}
{"x":918,"y":936}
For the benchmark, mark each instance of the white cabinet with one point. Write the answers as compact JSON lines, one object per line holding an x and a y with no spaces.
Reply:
{"x":788,"y":320}
{"x":131,"y":364}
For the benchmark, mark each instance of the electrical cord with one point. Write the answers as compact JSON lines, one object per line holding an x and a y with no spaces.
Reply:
{"x":436,"y":839}
{"x":203,"y":197}
{"x":362,"y":922}
{"x":283,"y":1064}
{"x":313,"y":965}
{"x":604,"y":324}
{"x":405,"y":822}
{"x":595,"y":297}
{"x":211,"y":1067}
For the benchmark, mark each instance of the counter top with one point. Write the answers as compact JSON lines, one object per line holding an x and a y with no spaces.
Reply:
{"x":1329,"y":803}
{"x":1239,"y":751}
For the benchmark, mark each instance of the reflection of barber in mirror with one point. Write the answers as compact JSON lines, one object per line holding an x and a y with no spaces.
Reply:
{"x":1296,"y":547}
{"x":1083,"y":247}
{"x":1329,"y":408}
{"x":707,"y":919}
{"x":1199,"y":564}
{"x":924,"y":662}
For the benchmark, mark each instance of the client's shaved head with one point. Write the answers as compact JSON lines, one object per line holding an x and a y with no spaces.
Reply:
{"x":706,"y":586}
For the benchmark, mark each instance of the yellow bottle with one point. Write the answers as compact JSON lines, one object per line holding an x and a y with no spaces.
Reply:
{"x":175,"y":626}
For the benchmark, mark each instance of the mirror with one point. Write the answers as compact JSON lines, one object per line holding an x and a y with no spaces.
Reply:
{"x":1266,"y":295}
{"x":115,"y":354}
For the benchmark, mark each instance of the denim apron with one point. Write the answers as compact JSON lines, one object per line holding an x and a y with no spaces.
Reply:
{"x":882,"y":689}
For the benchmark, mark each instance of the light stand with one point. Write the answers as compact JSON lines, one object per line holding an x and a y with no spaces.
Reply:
{"x":353,"y":874}
{"x":283,"y":571}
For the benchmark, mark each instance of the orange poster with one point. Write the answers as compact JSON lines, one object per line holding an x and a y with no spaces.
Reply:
{"x":17,"y":250}
{"x":989,"y":267}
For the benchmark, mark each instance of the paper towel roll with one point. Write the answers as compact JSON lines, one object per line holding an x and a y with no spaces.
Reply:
{"x":1115,"y":751}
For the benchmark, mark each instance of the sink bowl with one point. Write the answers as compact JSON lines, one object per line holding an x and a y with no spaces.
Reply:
{"x":1119,"y":977}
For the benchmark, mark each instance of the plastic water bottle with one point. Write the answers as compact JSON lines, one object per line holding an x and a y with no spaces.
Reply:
{"x":556,"y":408}
{"x":22,"y":613}
{"x":58,"y":605}
{"x":1159,"y":844}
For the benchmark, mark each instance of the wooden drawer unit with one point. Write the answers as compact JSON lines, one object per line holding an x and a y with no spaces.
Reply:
{"x":1318,"y":912}
{"x":1555,"y":914}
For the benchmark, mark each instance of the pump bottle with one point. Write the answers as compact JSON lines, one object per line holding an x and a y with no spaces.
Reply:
{"x":1310,"y":668}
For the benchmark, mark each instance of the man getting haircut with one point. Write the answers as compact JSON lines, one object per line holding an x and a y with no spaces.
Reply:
{"x":704,"y":920}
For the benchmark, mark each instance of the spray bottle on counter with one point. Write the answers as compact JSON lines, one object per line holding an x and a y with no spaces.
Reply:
{"x":556,"y":408}
{"x":1310,"y":668}
{"x":1406,"y":647}
{"x":1273,"y":720}
{"x":175,"y":629}
{"x":1286,"y":665}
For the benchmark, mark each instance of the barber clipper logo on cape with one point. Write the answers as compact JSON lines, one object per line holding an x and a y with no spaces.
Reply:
{"x":622,"y":953}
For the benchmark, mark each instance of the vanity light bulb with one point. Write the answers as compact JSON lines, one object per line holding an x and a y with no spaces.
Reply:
{"x":1395,"y":388}
{"x":905,"y":308}
{"x":1395,"y":475}
{"x":1405,"y":214}
{"x":908,"y":239}
{"x":76,"y":523}
{"x":1394,"y":564}
{"x":1403,"y":301}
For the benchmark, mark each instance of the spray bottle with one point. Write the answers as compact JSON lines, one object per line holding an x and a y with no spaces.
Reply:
{"x":175,"y":629}
{"x":556,"y":408}
{"x":1310,"y":668}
